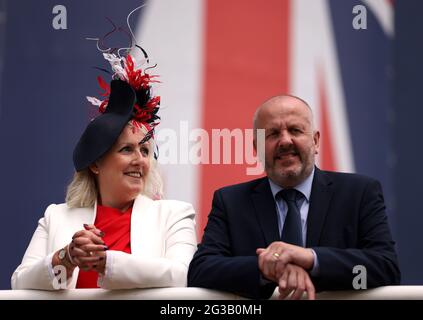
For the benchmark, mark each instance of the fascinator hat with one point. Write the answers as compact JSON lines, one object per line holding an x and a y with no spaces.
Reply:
{"x":128,"y":99}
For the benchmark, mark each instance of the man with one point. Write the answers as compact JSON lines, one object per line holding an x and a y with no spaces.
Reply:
{"x":300,"y":228}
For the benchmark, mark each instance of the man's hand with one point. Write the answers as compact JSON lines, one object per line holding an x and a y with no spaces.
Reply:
{"x":274,"y":259}
{"x":295,"y":280}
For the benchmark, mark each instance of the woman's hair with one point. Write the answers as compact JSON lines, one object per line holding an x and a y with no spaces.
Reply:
{"x":83,"y":191}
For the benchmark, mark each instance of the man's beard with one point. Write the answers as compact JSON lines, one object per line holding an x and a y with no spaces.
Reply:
{"x":278,"y":158}
{"x":288,"y":175}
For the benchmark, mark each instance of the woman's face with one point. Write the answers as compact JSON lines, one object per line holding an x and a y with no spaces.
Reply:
{"x":121,"y":172}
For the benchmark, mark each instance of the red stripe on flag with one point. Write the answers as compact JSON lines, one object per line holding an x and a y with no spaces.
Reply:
{"x":246,"y":61}
{"x":327,"y":161}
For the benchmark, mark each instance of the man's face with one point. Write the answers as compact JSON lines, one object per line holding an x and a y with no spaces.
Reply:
{"x":290,"y":143}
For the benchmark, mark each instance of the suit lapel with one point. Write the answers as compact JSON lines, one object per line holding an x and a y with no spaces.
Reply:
{"x":143,"y":227}
{"x":75,"y":219}
{"x":321,"y":194}
{"x":265,"y":209}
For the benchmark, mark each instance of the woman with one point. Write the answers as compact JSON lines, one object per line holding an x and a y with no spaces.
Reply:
{"x":110,"y":232}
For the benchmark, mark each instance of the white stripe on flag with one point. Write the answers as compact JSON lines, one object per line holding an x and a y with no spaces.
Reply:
{"x":171,"y":32}
{"x":384,"y":13}
{"x":313,"y":49}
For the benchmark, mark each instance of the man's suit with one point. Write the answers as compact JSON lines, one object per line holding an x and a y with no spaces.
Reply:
{"x":346,"y":226}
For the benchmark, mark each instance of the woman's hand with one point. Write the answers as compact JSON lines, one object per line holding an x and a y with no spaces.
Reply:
{"x":87,"y":249}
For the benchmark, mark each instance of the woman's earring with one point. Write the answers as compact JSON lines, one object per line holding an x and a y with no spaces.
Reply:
{"x":94,"y":169}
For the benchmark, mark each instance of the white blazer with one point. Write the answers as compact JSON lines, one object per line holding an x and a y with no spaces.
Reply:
{"x":163,"y":241}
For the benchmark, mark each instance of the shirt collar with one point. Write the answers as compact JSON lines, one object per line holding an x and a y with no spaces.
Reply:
{"x":304,"y":187}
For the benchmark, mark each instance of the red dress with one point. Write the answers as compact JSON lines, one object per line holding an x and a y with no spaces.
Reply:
{"x":116,"y":226}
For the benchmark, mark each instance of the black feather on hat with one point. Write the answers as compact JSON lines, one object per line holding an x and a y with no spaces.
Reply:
{"x":129,"y":97}
{"x":102,"y":132}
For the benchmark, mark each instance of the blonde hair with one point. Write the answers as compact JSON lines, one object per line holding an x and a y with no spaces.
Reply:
{"x":82,"y":191}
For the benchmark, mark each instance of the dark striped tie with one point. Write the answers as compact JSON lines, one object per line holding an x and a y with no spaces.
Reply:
{"x":292,"y":231}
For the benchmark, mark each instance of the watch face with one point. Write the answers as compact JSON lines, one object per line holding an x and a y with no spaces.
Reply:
{"x":62,"y":254}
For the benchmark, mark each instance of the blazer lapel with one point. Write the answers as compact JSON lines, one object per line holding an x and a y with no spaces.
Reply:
{"x":321,"y":194}
{"x":75,"y":219}
{"x":143,"y":227}
{"x":265,"y":208}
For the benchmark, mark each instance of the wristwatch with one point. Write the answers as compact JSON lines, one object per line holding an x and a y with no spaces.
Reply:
{"x":63,"y":260}
{"x":62,"y":254}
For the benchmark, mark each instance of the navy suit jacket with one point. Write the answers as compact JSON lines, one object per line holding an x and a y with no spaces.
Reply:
{"x":346,"y":226}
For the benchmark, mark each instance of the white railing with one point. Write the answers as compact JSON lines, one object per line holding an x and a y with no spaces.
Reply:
{"x":382,"y":293}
